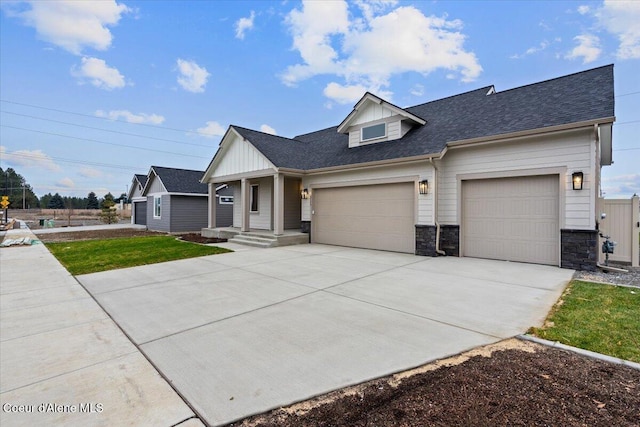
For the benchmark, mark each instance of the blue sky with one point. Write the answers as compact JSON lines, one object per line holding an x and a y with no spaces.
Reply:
{"x":93,"y":92}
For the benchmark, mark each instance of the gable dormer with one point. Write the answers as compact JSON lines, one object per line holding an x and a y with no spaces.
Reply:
{"x":375,"y":120}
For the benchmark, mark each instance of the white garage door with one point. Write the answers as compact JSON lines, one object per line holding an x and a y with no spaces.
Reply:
{"x":373,"y":217}
{"x":513,"y":219}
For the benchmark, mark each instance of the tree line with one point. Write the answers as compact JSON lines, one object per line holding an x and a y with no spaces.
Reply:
{"x":21,"y":195}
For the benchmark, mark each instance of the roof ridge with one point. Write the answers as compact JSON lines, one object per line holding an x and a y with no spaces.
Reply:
{"x":176,"y":169}
{"x":485,"y":88}
{"x":264,"y":133}
{"x":555,"y":78}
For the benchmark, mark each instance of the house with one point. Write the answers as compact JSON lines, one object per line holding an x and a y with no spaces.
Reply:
{"x":175,"y":201}
{"x":138,"y":201}
{"x":509,"y":175}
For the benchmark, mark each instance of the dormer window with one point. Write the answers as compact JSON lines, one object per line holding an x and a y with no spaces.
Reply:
{"x":374,"y":132}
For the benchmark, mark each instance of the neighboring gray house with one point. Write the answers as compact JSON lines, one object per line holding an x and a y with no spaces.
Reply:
{"x":174,"y":201}
{"x":137,"y":200}
{"x":510,"y":175}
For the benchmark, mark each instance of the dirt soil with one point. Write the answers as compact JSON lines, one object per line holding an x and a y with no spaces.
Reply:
{"x":513,"y":382}
{"x":68,"y":236}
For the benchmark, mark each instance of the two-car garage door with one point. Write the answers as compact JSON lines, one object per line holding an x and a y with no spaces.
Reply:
{"x":367,"y":216}
{"x":515,"y":219}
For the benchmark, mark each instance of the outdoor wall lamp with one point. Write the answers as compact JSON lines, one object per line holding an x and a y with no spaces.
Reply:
{"x":576,"y":178}
{"x":305,"y":194}
{"x":423,"y":186}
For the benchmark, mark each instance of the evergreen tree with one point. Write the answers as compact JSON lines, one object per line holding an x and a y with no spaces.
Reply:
{"x":15,"y":186}
{"x":92,"y":201}
{"x":56,"y":202}
{"x":108,"y":201}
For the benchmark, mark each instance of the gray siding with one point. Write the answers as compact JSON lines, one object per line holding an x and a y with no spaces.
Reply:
{"x":224,"y":213}
{"x":188,"y":213}
{"x":292,"y":204}
{"x":163,"y":223}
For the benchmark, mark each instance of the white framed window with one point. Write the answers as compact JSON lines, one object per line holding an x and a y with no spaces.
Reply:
{"x":157,"y":206}
{"x":373,"y":132}
{"x":254,"y":198}
{"x":226,"y":200}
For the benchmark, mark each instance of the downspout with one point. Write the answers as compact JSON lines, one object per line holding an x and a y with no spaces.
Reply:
{"x":435,"y":207}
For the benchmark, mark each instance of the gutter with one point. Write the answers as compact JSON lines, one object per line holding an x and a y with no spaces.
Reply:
{"x":435,"y":207}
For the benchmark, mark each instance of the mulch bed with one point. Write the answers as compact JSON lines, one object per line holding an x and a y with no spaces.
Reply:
{"x":69,"y":236}
{"x":534,"y":386}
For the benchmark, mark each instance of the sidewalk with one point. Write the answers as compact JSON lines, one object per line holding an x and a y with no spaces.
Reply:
{"x":63,"y":361}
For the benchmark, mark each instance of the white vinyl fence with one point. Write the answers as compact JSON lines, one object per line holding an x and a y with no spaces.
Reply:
{"x":623,"y":225}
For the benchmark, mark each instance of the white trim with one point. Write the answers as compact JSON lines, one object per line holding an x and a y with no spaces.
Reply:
{"x":157,"y":206}
{"x":384,"y":135}
{"x":255,"y":192}
{"x":221,"y":202}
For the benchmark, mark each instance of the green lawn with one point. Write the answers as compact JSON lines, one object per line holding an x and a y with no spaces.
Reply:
{"x":600,"y":318}
{"x":90,"y":256}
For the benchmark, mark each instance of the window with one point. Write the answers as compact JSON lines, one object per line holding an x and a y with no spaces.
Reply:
{"x":373,"y":132}
{"x":157,"y":206}
{"x":226,"y":200}
{"x":254,"y":198}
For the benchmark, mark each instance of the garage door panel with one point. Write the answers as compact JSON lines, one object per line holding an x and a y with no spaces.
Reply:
{"x":514,"y":219}
{"x":374,"y":217}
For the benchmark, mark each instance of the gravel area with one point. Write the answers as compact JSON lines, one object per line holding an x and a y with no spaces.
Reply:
{"x":631,"y":278}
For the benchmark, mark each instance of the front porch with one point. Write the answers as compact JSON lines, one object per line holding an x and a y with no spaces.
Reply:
{"x":257,"y":238}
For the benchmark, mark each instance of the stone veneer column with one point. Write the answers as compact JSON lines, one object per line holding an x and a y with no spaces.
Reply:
{"x":579,"y":249}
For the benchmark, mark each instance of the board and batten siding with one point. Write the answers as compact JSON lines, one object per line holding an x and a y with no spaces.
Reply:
{"x":156,"y":186}
{"x":188,"y":213}
{"x":377,"y":175}
{"x":164,"y":222}
{"x":240,"y":157}
{"x":372,"y":112}
{"x":568,"y":152}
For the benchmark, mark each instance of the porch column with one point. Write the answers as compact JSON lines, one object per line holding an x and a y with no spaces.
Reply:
{"x":244,"y":204}
{"x":212,"y":205}
{"x":278,"y":204}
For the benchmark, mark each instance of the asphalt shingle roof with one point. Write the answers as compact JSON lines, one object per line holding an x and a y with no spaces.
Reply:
{"x":142,"y":179}
{"x":578,"y":97}
{"x":181,"y":180}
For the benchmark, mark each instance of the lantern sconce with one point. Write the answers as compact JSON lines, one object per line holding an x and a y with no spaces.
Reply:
{"x":424,"y":186}
{"x":305,"y":194}
{"x":577,"y":179}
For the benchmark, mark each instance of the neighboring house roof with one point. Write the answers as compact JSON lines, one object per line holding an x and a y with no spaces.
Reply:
{"x":179,"y":180}
{"x":481,"y":113}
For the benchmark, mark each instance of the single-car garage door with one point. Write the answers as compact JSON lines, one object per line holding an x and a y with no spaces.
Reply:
{"x":372,"y":216}
{"x":140,"y":213}
{"x":515,"y":219}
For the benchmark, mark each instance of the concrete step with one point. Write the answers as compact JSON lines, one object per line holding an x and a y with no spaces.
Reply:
{"x":258,"y":242}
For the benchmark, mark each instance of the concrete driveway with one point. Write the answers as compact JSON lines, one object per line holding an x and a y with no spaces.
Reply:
{"x":244,"y":332}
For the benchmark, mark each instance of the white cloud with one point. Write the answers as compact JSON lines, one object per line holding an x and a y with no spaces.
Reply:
{"x":417,"y":90}
{"x":621,"y":19}
{"x":66,"y":183}
{"x":192,"y":78}
{"x":344,"y":94}
{"x":244,"y":24}
{"x":583,"y":9}
{"x":534,"y":49}
{"x":74,"y":25}
{"x":367,"y":52}
{"x":99,"y":74}
{"x":211,"y":130}
{"x":35,"y":159}
{"x":588,"y":48}
{"x":130,"y":117}
{"x":87,"y":172}
{"x":268,"y":129}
